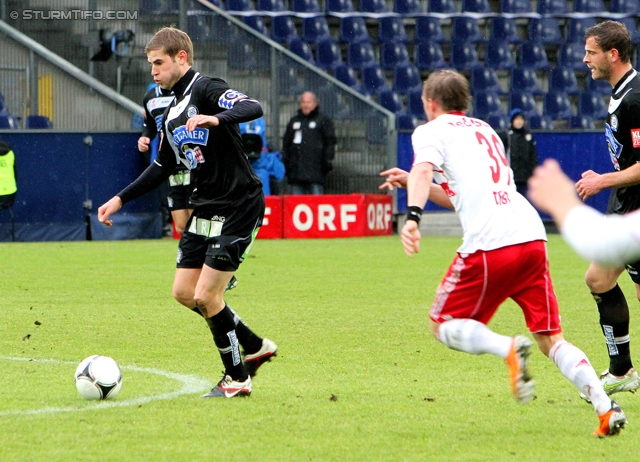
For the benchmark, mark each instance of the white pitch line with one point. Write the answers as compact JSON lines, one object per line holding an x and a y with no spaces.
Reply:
{"x":190,"y":384}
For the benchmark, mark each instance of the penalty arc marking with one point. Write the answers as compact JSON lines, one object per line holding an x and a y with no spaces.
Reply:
{"x":190,"y":384}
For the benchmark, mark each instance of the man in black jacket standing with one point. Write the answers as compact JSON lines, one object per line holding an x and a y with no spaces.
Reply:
{"x":308,"y":147}
{"x":521,"y":150}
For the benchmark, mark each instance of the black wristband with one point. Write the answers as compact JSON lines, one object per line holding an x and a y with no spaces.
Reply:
{"x":414,"y":213}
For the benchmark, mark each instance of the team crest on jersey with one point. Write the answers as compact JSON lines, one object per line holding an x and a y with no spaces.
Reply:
{"x":615,"y":148}
{"x":192,"y":111}
{"x":229,"y":98}
{"x":614,"y":123}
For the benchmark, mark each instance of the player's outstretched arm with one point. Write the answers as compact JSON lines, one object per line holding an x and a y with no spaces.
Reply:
{"x":109,"y":208}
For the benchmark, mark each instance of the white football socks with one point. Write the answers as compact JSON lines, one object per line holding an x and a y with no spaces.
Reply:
{"x":473,"y":337}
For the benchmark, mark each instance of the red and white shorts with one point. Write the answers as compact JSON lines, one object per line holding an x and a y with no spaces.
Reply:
{"x":475,"y":285}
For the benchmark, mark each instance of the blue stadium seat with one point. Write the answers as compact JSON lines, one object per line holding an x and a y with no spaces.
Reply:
{"x":271,"y":5}
{"x":571,"y":55}
{"x":524,"y":101}
{"x":592,"y":104}
{"x":328,"y":53}
{"x":557,"y":105}
{"x":540,"y":122}
{"x":314,"y":28}
{"x":598,"y":86}
{"x":428,"y":28}
{"x":8,"y":121}
{"x":353,"y":29}
{"x":563,"y":79}
{"x":524,"y":79}
{"x":516,"y":6}
{"x":545,"y":30}
{"x":257,"y":23}
{"x":406,"y":77}
{"x":297,"y":46}
{"x":373,"y":79}
{"x":533,"y":54}
{"x":240,"y":55}
{"x":199,"y":7}
{"x":198,"y":28}
{"x":305,"y":6}
{"x":466,"y":29}
{"x":442,"y":6}
{"x":288,"y":80}
{"x":429,"y":56}
{"x":630,"y":7}
{"x":414,"y":104}
{"x":339,"y":6}
{"x":346,"y":75}
{"x":360,"y":54}
{"x":589,"y":6}
{"x":332,"y":102}
{"x":38,"y":121}
{"x":503,"y":28}
{"x":551,"y":7}
{"x":576,"y":28}
{"x":581,"y":122}
{"x":373,"y":6}
{"x":405,"y":121}
{"x":464,"y":56}
{"x":485,"y":79}
{"x":3,"y":105}
{"x":283,"y":29}
{"x":499,"y":123}
{"x":239,"y":5}
{"x":390,"y":100}
{"x":632,"y":27}
{"x":498,"y":55}
{"x":407,"y":7}
{"x":476,"y":6}
{"x":392,"y":54}
{"x":376,"y":128}
{"x":391,"y":29}
{"x":486,"y":104}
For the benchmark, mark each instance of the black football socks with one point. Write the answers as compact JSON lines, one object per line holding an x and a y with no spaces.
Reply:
{"x":614,"y":320}
{"x":223,"y":329}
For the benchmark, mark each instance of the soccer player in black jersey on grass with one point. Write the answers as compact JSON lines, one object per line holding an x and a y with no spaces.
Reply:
{"x":607,"y":54}
{"x":200,"y":130}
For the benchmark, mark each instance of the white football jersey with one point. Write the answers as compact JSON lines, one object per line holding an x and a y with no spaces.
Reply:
{"x":469,"y":162}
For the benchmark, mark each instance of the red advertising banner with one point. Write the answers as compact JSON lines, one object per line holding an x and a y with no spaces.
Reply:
{"x":272,"y":223}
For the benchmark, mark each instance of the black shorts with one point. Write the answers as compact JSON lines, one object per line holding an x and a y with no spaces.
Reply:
{"x":180,"y":190}
{"x":7,"y":201}
{"x":632,"y":270}
{"x":220,"y":240}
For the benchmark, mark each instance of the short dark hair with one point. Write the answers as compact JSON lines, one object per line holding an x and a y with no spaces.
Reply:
{"x":172,"y":41}
{"x":609,"y":35}
{"x":449,"y":88}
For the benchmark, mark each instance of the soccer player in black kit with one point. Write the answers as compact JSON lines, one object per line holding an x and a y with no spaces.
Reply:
{"x":200,"y":130}
{"x":607,"y":54}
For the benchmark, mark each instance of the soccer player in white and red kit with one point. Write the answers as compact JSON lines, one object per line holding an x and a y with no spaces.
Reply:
{"x":503,"y":253}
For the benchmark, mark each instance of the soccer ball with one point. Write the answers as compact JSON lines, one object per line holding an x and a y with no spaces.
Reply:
{"x":98,"y":377}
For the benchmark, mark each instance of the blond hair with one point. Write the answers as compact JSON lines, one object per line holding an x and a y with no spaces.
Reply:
{"x":172,"y":41}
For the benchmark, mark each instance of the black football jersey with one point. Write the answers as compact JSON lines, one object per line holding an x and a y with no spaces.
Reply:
{"x":155,"y":101}
{"x":623,"y":139}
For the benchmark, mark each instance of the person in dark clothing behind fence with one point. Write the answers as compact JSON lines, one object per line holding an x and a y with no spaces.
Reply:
{"x":521,"y":150}
{"x":308,"y":147}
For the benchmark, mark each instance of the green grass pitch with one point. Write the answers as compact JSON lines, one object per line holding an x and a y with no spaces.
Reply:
{"x":357,"y":377}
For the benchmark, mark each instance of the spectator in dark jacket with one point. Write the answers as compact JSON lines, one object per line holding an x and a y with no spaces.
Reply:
{"x":308,"y":147}
{"x":521,"y":150}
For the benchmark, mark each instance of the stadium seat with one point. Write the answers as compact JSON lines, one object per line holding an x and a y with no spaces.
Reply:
{"x":486,"y":104}
{"x":406,"y":77}
{"x":592,"y":104}
{"x":339,"y":6}
{"x":353,"y":29}
{"x":524,"y":79}
{"x":332,"y":102}
{"x":8,"y":121}
{"x":405,"y":121}
{"x":288,"y":79}
{"x":632,"y":27}
{"x":524,"y":101}
{"x":598,"y":86}
{"x":346,"y":75}
{"x":240,"y":55}
{"x":315,"y":28}
{"x":581,"y":122}
{"x":376,"y":128}
{"x":3,"y":105}
{"x":533,"y":54}
{"x":198,"y":28}
{"x":503,"y":28}
{"x":407,"y":7}
{"x":428,"y":29}
{"x":199,"y":7}
{"x":545,"y":30}
{"x":390,"y":100}
{"x":240,"y":5}
{"x":373,"y":79}
{"x":630,"y":7}
{"x":557,"y":105}
{"x":476,"y":6}
{"x":305,"y":6}
{"x":392,"y":54}
{"x":499,"y":56}
{"x":256,"y":23}
{"x":499,"y":123}
{"x":270,"y":5}
{"x":571,"y":55}
{"x":442,"y":6}
{"x":553,"y":7}
{"x":466,"y":29}
{"x":589,"y":6}
{"x":283,"y":29}
{"x":464,"y":56}
{"x":484,"y":79}
{"x":516,"y":6}
{"x":540,"y":122}
{"x":373,"y":6}
{"x":576,"y":28}
{"x":429,"y":56}
{"x":391,"y":29}
{"x":360,"y":54}
{"x":414,"y":104}
{"x":297,"y":46}
{"x":328,"y":53}
{"x":563,"y":79}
